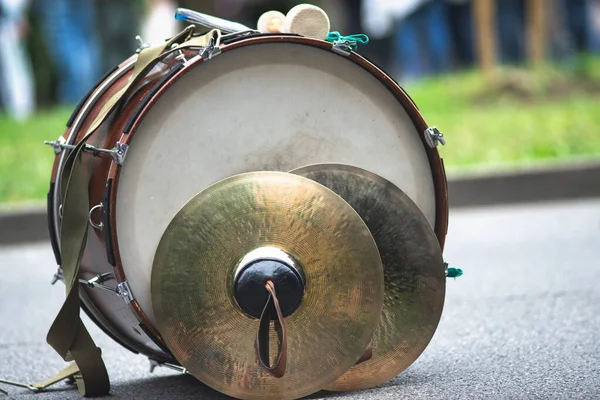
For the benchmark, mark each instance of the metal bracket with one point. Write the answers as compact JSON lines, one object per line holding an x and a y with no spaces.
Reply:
{"x":58,"y":145}
{"x":117,"y":153}
{"x":210,"y":51}
{"x":154,"y":364}
{"x":434,"y":137}
{"x":181,"y":56}
{"x":58,"y":276}
{"x":122,"y":289}
{"x":141,"y":44}
{"x":343,"y":47}
{"x":98,"y":282}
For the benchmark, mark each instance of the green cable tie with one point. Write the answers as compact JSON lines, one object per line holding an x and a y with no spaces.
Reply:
{"x":454,"y":273}
{"x":352,"y":39}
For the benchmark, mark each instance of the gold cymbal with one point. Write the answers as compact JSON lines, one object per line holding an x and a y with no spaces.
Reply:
{"x":200,"y":254}
{"x":413,"y":271}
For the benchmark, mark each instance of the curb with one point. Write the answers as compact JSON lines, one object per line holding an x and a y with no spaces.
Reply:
{"x":567,"y":182}
{"x":24,"y":224}
{"x":30,"y":224}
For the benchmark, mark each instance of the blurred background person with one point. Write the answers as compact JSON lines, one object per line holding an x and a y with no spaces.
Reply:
{"x":70,"y":33}
{"x":460,"y":20}
{"x":16,"y":82}
{"x":594,"y":19}
{"x":159,"y":23}
{"x":73,"y":42}
{"x":578,"y":19}
{"x":422,"y":38}
{"x":119,"y":22}
{"x":511,"y":30}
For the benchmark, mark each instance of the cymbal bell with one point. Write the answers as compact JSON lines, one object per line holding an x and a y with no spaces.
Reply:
{"x":414,"y":271}
{"x":226,"y":227}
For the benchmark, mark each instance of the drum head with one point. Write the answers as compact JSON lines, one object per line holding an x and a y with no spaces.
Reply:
{"x":263,"y":107}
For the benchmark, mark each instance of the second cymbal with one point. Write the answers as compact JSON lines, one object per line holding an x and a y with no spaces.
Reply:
{"x":413,"y":271}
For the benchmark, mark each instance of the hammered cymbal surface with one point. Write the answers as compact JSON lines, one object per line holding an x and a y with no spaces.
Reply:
{"x":192,"y":284}
{"x":414,"y":273}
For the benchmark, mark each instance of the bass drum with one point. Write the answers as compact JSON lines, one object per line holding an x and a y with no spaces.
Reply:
{"x":265,"y":103}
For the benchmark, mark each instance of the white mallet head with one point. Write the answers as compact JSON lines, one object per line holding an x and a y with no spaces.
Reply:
{"x":307,"y":20}
{"x":271,"y":22}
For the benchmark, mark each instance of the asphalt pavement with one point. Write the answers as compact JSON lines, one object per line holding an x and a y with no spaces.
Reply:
{"x":522,"y":323}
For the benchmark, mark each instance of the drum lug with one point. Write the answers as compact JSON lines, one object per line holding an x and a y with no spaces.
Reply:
{"x":434,"y":137}
{"x":122,"y":289}
{"x":58,"y":145}
{"x":117,"y":153}
{"x":342,"y":47}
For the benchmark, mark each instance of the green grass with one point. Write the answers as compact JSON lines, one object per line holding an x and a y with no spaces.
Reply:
{"x":523,"y":118}
{"x":25,"y":162}
{"x":554,"y":117}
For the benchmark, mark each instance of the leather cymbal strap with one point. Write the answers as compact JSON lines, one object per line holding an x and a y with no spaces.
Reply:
{"x":272,"y":309}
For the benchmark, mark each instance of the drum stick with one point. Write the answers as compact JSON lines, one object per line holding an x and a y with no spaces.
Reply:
{"x":209,"y":22}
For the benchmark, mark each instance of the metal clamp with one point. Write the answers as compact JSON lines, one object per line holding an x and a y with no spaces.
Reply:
{"x":99,"y":226}
{"x":343,"y":47}
{"x":434,"y":137}
{"x":117,"y":153}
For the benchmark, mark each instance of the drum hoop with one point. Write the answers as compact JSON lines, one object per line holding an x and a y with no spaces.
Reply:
{"x":435,"y":162}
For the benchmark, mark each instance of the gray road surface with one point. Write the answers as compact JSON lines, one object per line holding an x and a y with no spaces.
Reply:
{"x":522,"y":323}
